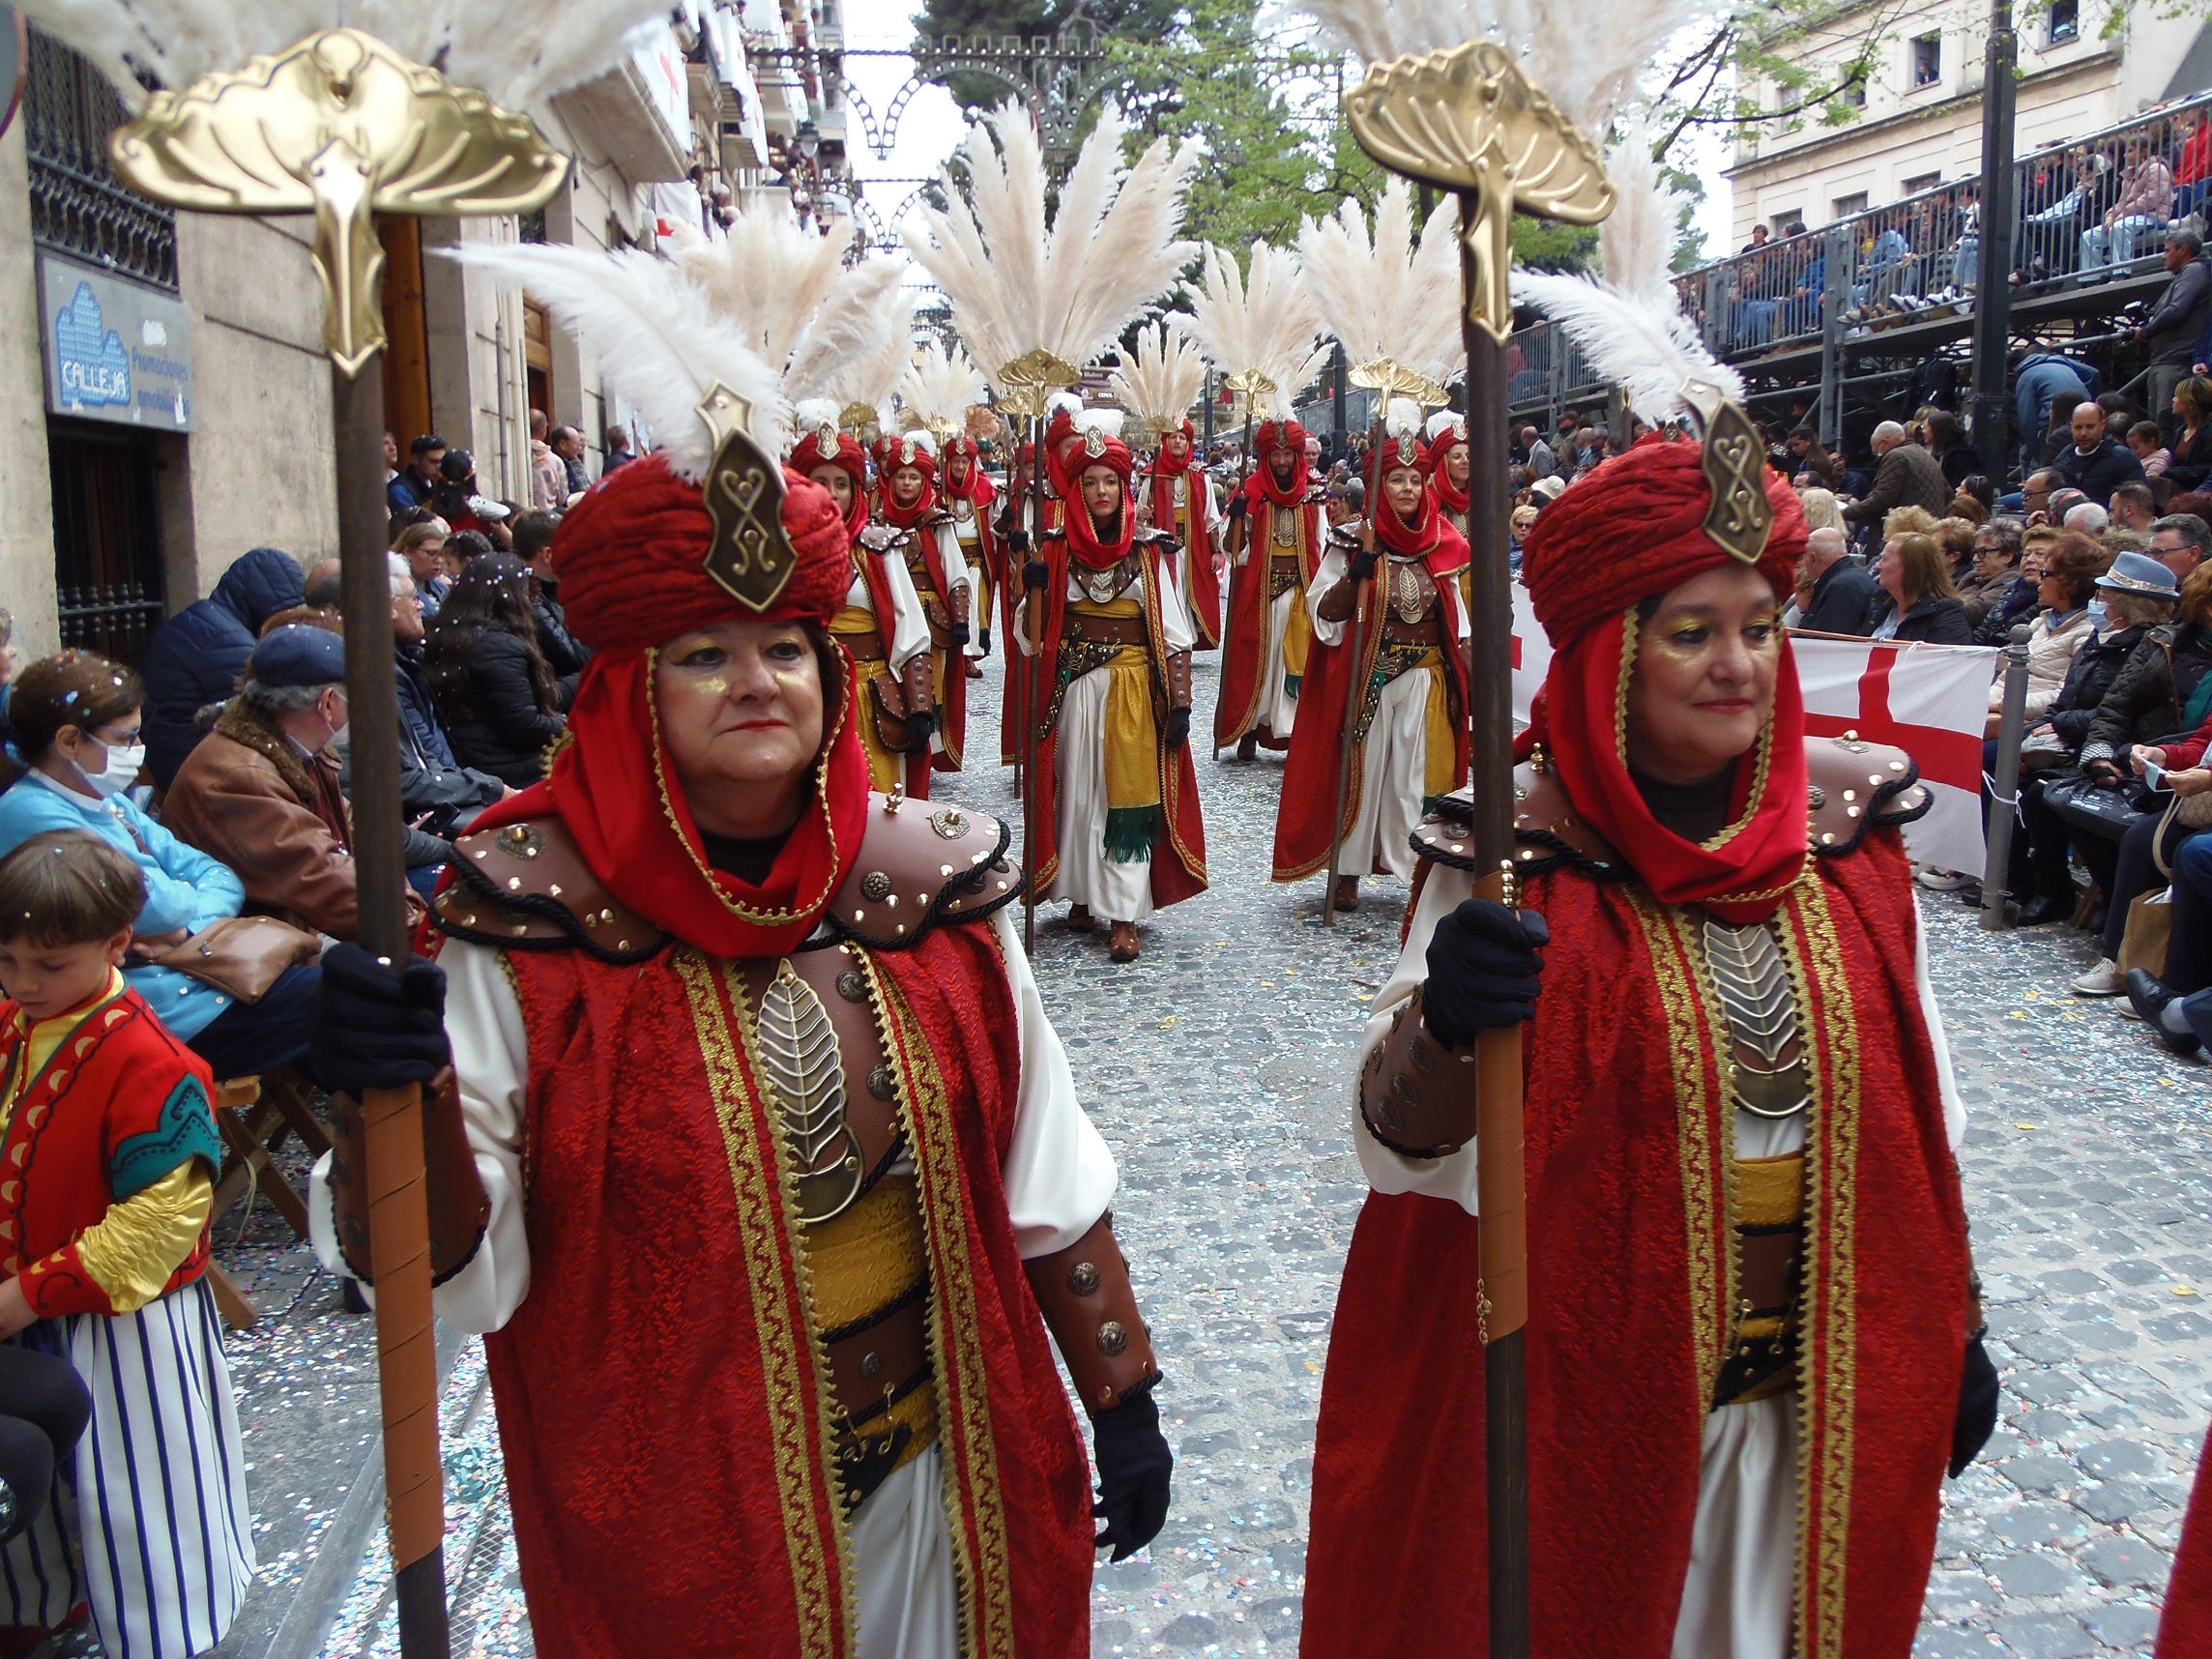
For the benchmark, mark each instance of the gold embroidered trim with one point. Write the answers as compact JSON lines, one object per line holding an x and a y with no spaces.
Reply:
{"x":757,"y":917}
{"x":982,"y":1570}
{"x":1631,"y":625}
{"x":1829,"y":1367}
{"x":1170,"y":762}
{"x":1711,"y":1267}
{"x":775,"y":1275}
{"x":1758,"y":793}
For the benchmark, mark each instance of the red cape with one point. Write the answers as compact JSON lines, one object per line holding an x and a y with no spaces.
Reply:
{"x":1205,"y":594}
{"x":2185,"y":1631}
{"x":1309,"y":776}
{"x":662,"y":1416}
{"x":877,"y":582}
{"x":1244,"y":652}
{"x":1178,"y":856}
{"x":1630,"y":1284}
{"x":1017,"y":666}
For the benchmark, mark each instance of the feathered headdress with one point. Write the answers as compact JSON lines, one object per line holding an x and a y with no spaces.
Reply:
{"x":661,"y":341}
{"x":858,"y":319}
{"x":938,"y":390}
{"x":1112,"y":248}
{"x":864,"y":380}
{"x":517,"y":63}
{"x":1263,"y":323}
{"x":774,"y":277}
{"x":1160,"y":382}
{"x":1384,"y":296}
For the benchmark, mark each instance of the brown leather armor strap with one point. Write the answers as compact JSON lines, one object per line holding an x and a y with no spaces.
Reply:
{"x":460,"y":1209}
{"x":1337,"y":606}
{"x":1178,"y":679}
{"x":1414,"y":636}
{"x":861,"y":647}
{"x":1417,"y":1096}
{"x":1766,"y":1267}
{"x":1090,"y":1310}
{"x":1083,"y":629}
{"x":882,"y":1362}
{"x":961,"y":601}
{"x":918,"y":680}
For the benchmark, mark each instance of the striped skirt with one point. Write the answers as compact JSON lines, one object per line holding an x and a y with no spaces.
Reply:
{"x":148,"y":1522}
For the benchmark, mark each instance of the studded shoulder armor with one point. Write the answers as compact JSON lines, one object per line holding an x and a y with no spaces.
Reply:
{"x":922,"y":863}
{"x":526,"y":886}
{"x":1859,"y":786}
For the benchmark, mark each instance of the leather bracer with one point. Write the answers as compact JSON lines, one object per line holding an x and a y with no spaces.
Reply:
{"x":916,"y":682}
{"x":1416,"y":1094}
{"x":1337,"y":605}
{"x":961,"y":601}
{"x":1179,"y":679}
{"x":1091,"y":1312}
{"x":460,"y":1209}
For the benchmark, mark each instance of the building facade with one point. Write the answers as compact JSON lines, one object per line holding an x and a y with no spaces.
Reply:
{"x":1917,"y":118}
{"x":165,"y":401}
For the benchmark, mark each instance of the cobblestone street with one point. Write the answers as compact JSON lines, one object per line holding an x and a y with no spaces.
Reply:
{"x":1215,"y":1069}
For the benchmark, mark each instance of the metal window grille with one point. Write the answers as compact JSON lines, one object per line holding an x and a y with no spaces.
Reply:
{"x":77,"y":205}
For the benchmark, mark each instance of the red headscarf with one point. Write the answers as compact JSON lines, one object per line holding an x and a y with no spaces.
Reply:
{"x":906,"y":453}
{"x":1262,"y":486}
{"x":1429,"y":535}
{"x":631,"y":558}
{"x":1452,"y":437}
{"x":1083,"y":539}
{"x":1630,"y":530}
{"x":840,"y":450}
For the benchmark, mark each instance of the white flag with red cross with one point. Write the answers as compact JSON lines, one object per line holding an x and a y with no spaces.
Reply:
{"x":1932,"y":701}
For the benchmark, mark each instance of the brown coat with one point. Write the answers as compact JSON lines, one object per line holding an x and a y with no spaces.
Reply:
{"x":247,"y":797}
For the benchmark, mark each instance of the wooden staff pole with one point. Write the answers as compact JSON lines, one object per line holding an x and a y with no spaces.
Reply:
{"x":1034,"y":627}
{"x":1354,"y":689}
{"x":1500,"y":1180}
{"x":1242,"y":557}
{"x":398,"y":1205}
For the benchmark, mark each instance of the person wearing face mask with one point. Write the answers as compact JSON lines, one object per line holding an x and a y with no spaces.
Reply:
{"x":1409,"y":737}
{"x":78,"y":719}
{"x":261,"y":792}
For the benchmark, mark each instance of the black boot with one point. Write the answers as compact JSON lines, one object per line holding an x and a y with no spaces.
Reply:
{"x":2150,"y":995}
{"x":2041,"y":910}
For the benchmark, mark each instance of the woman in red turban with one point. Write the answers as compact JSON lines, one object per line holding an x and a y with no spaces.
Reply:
{"x":771,"y":1155}
{"x":1116,"y":816}
{"x":1180,"y":497}
{"x":1274,"y":548}
{"x":969,"y":496}
{"x":1753,"y":1338}
{"x":930,"y":547}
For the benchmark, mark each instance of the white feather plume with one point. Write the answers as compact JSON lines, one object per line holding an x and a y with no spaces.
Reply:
{"x":517,"y":60}
{"x":870,"y":376}
{"x":1441,"y":422}
{"x":1588,"y":56}
{"x":1635,"y":242}
{"x":1105,"y":421}
{"x":1261,"y":320}
{"x":1402,"y":418}
{"x":1160,"y":380}
{"x":770,"y":273}
{"x":850,"y":324}
{"x":1645,"y":347}
{"x":1112,"y":251}
{"x":1380,"y":295}
{"x":810,"y":414}
{"x":939,"y":387}
{"x":660,"y":340}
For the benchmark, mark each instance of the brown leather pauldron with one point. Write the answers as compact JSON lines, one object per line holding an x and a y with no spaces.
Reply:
{"x":1090,"y":1309}
{"x":460,"y":1209}
{"x":1416,"y":1094}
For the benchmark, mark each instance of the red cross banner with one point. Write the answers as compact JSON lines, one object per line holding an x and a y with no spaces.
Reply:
{"x":1931,"y":701}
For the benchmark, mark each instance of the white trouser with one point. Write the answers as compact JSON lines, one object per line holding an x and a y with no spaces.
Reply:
{"x":1117,"y":892}
{"x":1740,"y":1591}
{"x":902,"y":1553}
{"x":1394,"y":777}
{"x":1278,"y":709}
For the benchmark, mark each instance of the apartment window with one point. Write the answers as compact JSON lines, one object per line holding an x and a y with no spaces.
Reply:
{"x":1920,"y":182}
{"x":1789,"y":224}
{"x":2065,"y":20}
{"x":1843,"y":207}
{"x":1854,"y":90}
{"x":1927,"y":60}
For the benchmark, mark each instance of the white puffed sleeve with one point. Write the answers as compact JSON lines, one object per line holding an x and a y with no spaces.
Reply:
{"x":491,"y":1057}
{"x":1060,"y":1178}
{"x":1946,"y":1080}
{"x":1330,"y":575}
{"x":1175,"y":614}
{"x":908,"y":635}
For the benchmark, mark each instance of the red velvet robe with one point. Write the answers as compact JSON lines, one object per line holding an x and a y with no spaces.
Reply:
{"x":663,"y":1415}
{"x":1309,"y":775}
{"x":1178,"y":856}
{"x":1016,"y":700}
{"x":1631,"y":1280}
{"x":1244,"y":652}
{"x":2185,"y":1631}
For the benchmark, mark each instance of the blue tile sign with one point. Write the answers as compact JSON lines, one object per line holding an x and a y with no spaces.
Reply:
{"x":115,"y":350}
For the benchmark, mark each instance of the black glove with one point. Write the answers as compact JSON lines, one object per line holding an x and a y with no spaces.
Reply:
{"x":1178,"y":728}
{"x":376,"y":1026}
{"x":1238,"y":505}
{"x":1034,"y":574}
{"x":919,"y":729}
{"x":1134,"y":1464}
{"x":1017,"y":541}
{"x":958,"y":633}
{"x":2104,"y":774}
{"x":1363,"y":567}
{"x":1483,"y":965}
{"x":1977,"y":1417}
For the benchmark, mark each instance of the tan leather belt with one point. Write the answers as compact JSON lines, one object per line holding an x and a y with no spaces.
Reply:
{"x":1763,"y":1269}
{"x":1420,"y":635}
{"x":863,"y":646}
{"x":1106,"y":630}
{"x":881,"y":1361}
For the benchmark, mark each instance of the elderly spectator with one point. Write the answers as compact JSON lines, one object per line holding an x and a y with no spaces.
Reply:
{"x":2181,"y":541}
{"x":2192,"y":436}
{"x":2150,"y":846}
{"x":617,"y":449}
{"x":1906,"y":475}
{"x":548,"y":476}
{"x":1542,"y":463}
{"x":435,"y":790}
{"x":423,"y":548}
{"x":198,"y":655}
{"x":1923,"y":607}
{"x":2093,"y":463}
{"x":2149,"y":698}
{"x":1843,"y":598}
{"x":2086,"y":517}
{"x":1992,"y":566}
{"x":411,"y":488}
{"x":78,"y":720}
{"x":499,"y":699}
{"x":1822,"y":512}
{"x":569,"y":444}
{"x":2035,"y":493}
{"x":2175,"y":328}
{"x":262,"y":794}
{"x":2145,"y":203}
{"x":2065,"y":570}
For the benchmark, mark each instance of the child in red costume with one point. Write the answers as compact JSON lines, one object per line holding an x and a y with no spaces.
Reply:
{"x":110,"y":1145}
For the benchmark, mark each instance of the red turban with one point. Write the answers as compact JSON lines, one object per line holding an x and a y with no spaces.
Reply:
{"x":632,"y":559}
{"x":1276,"y":435}
{"x":1442,"y":444}
{"x":827,"y":448}
{"x":907,"y":452}
{"x":1634,"y":528}
{"x":1096,"y":450}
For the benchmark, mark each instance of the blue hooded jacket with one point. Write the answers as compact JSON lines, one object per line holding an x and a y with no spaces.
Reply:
{"x":199,"y":654}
